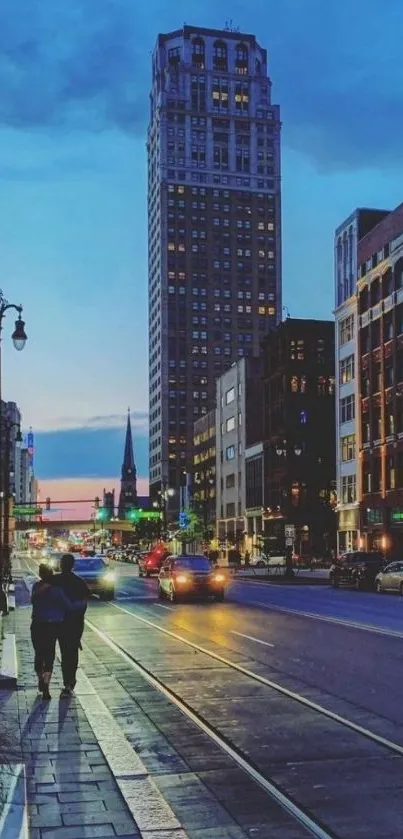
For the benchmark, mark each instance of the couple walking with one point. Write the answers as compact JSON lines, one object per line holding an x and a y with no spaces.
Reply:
{"x":59,"y":602}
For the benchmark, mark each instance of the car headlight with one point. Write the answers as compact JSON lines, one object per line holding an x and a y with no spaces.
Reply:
{"x":219,"y":578}
{"x":109,"y":577}
{"x":182,"y":578}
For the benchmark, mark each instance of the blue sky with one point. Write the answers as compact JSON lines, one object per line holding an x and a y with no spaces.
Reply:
{"x":73,"y":247}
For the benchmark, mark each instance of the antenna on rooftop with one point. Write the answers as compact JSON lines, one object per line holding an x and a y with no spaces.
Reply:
{"x":230,"y":27}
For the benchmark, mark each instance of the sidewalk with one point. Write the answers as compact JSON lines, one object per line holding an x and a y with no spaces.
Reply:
{"x":82,"y":773}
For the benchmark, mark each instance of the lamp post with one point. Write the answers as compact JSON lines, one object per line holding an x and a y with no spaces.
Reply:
{"x":6,"y":498}
{"x":19,"y":338}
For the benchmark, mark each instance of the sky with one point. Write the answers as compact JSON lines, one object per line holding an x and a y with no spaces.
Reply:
{"x":74,"y":80}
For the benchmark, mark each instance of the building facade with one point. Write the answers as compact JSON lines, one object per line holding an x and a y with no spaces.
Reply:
{"x":236,"y":423}
{"x":230,"y":455}
{"x":299,"y":414}
{"x":380,"y":347}
{"x":214,"y":218}
{"x":347,"y":236}
{"x":204,"y":471}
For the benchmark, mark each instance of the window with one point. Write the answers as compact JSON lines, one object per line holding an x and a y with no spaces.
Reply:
{"x":348,"y":448}
{"x":346,"y":330}
{"x":347,"y":408}
{"x":230,"y":424}
{"x":230,"y":481}
{"x":198,"y":53}
{"x":347,"y":369}
{"x":220,"y":55}
{"x":230,"y":395}
{"x":230,"y":452}
{"x":348,"y":489}
{"x":230,"y":509}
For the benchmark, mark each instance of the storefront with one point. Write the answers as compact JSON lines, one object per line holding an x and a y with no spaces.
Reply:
{"x":348,"y":531}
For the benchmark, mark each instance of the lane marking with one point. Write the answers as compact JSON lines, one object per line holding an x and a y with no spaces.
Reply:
{"x":251,"y":638}
{"x":366,"y":627}
{"x":162,"y":606}
{"x":297,"y":697}
{"x":314,"y":828}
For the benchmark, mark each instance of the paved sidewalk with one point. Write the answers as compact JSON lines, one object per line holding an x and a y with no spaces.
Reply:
{"x":83,"y":776}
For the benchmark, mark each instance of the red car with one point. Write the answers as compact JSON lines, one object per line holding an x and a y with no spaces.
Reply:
{"x":151,"y":563}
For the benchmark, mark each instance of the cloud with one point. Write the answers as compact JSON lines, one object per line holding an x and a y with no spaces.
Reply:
{"x":335,"y":67}
{"x":85,"y":453}
{"x":139,"y":421}
{"x":70,"y":63}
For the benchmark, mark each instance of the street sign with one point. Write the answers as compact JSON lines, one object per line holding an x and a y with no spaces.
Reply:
{"x":27,"y":511}
{"x":183,"y":520}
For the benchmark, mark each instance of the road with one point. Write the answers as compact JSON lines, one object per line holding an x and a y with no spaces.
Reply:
{"x":277,"y":713}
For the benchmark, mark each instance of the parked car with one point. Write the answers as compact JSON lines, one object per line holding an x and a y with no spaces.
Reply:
{"x":151,"y":562}
{"x":186,"y":575}
{"x":390,"y":578}
{"x":357,"y":568}
{"x":100,"y":579}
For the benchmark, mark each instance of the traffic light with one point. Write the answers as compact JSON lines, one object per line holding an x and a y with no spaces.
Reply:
{"x":96,"y":502}
{"x":48,"y":503}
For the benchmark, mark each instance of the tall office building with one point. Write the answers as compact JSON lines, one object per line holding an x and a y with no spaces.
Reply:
{"x":214,"y":228}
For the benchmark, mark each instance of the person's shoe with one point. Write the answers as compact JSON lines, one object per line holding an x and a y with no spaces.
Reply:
{"x":65,"y":693}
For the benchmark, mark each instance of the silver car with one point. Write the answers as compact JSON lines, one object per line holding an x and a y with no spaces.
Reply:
{"x":390,"y":578}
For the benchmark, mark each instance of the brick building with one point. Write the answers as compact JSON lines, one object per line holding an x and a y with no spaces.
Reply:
{"x":380,"y":349}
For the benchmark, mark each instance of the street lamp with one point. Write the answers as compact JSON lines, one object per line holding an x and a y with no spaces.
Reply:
{"x":19,"y":336}
{"x":19,"y":339}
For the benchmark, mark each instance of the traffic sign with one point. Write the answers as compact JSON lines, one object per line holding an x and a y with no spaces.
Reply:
{"x":183,"y":520}
{"x":27,"y":511}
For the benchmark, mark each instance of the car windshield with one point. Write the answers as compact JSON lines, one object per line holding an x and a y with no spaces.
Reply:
{"x":90,"y":563}
{"x":196,"y":563}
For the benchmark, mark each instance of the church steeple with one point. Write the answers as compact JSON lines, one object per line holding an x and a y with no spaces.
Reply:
{"x":128,"y":483}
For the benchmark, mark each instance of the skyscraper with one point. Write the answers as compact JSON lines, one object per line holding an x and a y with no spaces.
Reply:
{"x":214,"y":219}
{"x":128,"y":482}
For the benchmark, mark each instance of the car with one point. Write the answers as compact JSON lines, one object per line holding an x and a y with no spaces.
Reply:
{"x":151,"y":562}
{"x":356,"y":568}
{"x":390,"y":578}
{"x":95,"y":572}
{"x":185,"y":575}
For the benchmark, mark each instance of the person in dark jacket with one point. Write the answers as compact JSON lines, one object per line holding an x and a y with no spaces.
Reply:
{"x":49,"y":606}
{"x":73,"y":625}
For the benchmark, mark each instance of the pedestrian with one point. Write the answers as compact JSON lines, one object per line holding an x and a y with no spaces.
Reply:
{"x":49,"y":606}
{"x":73,"y":625}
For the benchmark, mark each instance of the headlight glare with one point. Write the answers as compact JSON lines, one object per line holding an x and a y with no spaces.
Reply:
{"x":219,"y":578}
{"x":109,"y":577}
{"x":182,"y":578}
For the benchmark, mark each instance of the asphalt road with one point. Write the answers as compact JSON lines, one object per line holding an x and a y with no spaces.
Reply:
{"x":265,"y":673}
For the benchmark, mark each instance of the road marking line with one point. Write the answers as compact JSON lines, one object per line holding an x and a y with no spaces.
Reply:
{"x":308,"y":703}
{"x":366,"y":627}
{"x":161,"y":606}
{"x":251,"y":638}
{"x":286,"y":803}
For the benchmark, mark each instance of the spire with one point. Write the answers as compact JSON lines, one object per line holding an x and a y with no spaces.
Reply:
{"x":128,"y":467}
{"x":128,"y":483}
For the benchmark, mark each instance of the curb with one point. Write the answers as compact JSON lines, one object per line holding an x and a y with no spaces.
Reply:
{"x":9,"y":663}
{"x":14,"y":815}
